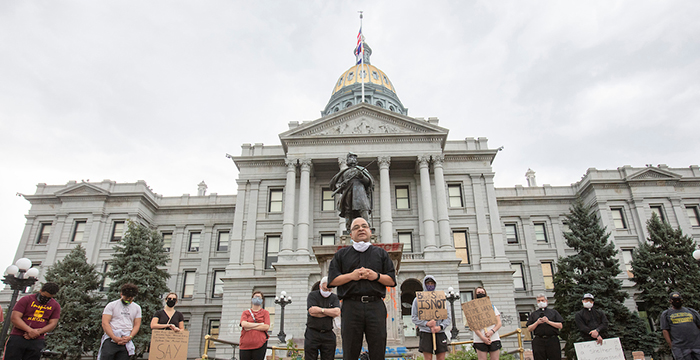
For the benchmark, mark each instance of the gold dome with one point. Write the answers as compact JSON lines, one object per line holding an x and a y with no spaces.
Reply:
{"x":376,"y":77}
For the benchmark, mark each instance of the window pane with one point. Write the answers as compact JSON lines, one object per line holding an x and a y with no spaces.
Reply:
{"x":455,"y":195}
{"x":402,"y":201}
{"x":44,"y":232}
{"x":518,"y":281}
{"x":618,"y":220}
{"x":627,"y":258}
{"x":78,"y":231}
{"x":540,"y":233}
{"x":218,"y":284}
{"x":213,"y":331}
{"x":273,"y":247}
{"x":327,"y":239}
{"x":548,"y":275}
{"x":269,"y":305}
{"x":658,"y":210}
{"x":194,"y":241}
{"x":117,"y":231}
{"x":275,"y":200}
{"x":188,"y":286}
{"x":222,"y":243}
{"x":406,"y":238}
{"x":328,"y":202}
{"x":465,"y":297}
{"x":107,"y":280}
{"x":693,"y":215}
{"x":167,"y":241}
{"x":511,"y":234}
{"x":461,"y":246}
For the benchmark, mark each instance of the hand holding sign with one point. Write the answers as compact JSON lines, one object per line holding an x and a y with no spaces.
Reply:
{"x":431,"y":306}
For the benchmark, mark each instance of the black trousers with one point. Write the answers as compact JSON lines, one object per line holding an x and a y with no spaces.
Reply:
{"x":360,"y":318}
{"x":315,"y":341}
{"x":19,"y":348}
{"x":113,"y":351}
{"x":254,"y":354}
{"x":546,"y":349}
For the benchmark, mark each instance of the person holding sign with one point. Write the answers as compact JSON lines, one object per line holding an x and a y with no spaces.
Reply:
{"x":486,"y":341}
{"x":362,"y":272}
{"x":255,"y":323}
{"x":544,"y":324}
{"x":681,"y":329}
{"x":168,"y":318}
{"x":430,"y":329}
{"x":590,"y":321}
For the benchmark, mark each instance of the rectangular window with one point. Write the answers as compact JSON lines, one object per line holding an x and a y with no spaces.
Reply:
{"x":659,"y":211}
{"x":540,"y":232}
{"x":275,"y":201}
{"x":327,"y":201}
{"x":406,"y":238}
{"x":269,"y":305}
{"x":461,"y":245}
{"x":195,"y":238}
{"x":402,"y":200}
{"x":187,"y":325}
{"x":78,"y":230}
{"x":454,"y":192}
{"x":548,"y":275}
{"x":44,"y":232}
{"x":222,"y":241}
{"x":273,"y":248}
{"x":693,"y":215}
{"x":465,"y":297}
{"x":188,"y":285}
{"x":167,"y":241}
{"x":214,"y":331}
{"x":511,"y":234}
{"x":627,"y":258}
{"x":218,"y":288}
{"x":518,"y":278}
{"x":106,"y":280}
{"x":618,"y":219}
{"x":327,"y":239}
{"x":117,"y":231}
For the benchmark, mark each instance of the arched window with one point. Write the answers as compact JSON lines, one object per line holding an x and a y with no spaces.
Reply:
{"x":392,"y":108}
{"x":379,"y":103}
{"x":348,"y":104}
{"x":336,"y":109}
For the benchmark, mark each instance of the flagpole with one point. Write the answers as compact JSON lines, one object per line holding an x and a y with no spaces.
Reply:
{"x":362,"y":60}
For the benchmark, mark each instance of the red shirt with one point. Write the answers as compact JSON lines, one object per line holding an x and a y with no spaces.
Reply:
{"x":35,"y":314}
{"x":254,"y":339}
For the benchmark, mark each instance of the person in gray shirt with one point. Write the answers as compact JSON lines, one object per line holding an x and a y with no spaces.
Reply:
{"x":681,"y":328}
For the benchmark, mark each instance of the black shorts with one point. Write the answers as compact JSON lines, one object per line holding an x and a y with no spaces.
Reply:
{"x":496,"y":345}
{"x":425,"y":344}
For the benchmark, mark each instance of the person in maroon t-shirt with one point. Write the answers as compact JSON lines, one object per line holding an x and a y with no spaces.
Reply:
{"x":33,"y":316}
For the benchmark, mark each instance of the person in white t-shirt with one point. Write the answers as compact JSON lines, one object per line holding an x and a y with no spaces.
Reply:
{"x":121,"y":320}
{"x":486,"y":341}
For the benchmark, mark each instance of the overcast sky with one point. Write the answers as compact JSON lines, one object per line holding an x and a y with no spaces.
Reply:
{"x":161,"y":90}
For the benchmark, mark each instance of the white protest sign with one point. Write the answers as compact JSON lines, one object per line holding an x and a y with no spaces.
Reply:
{"x":611,"y":349}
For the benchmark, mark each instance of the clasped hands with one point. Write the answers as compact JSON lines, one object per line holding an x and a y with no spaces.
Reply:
{"x":364,"y":274}
{"x":32,"y":334}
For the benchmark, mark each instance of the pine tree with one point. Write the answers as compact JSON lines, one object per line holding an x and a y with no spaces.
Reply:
{"x":138,"y":259}
{"x":594,"y":269}
{"x":79,"y":330}
{"x":663,"y":264}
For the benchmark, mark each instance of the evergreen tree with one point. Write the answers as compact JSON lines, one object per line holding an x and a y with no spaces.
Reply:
{"x":664,"y":264}
{"x":138,"y":259}
{"x":78,"y":331}
{"x":594,"y":269}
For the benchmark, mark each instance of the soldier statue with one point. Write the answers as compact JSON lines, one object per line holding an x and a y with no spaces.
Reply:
{"x":355,"y":184}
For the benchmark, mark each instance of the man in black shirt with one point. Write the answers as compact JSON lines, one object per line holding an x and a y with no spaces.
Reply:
{"x":362,"y":272}
{"x":590,"y":321}
{"x":544,"y":324}
{"x":322,"y":306}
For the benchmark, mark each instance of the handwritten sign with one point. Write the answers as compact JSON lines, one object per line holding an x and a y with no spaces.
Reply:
{"x":479,"y":313}
{"x":431,"y":305}
{"x":611,"y":349}
{"x":169,"y":345}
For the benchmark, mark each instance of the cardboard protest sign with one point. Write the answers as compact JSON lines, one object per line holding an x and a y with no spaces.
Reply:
{"x":638,"y":355}
{"x":479,"y":313}
{"x":611,"y":349}
{"x":431,"y":305}
{"x":169,"y":345}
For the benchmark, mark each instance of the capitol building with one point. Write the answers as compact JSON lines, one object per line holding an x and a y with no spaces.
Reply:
{"x":434,"y":195}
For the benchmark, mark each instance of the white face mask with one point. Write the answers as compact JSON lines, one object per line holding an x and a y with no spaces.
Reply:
{"x":361,"y":246}
{"x":325,"y":294}
{"x":587,"y":304}
{"x":542,"y":304}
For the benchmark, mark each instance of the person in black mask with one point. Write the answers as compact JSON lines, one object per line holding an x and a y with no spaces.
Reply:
{"x":590,"y":321}
{"x":33,"y":316}
{"x":681,"y":328}
{"x":168,"y":318}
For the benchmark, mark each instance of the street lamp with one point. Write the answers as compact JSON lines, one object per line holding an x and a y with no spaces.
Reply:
{"x":19,"y":276}
{"x":282,"y":300}
{"x":451,"y":297}
{"x":696,"y":254}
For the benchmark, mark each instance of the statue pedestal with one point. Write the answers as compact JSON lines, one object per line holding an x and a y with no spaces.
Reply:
{"x":392,"y":301}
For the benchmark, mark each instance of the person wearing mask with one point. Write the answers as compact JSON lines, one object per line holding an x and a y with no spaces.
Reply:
{"x":322,"y":306}
{"x":544,"y":325}
{"x":428,"y":328}
{"x":681,"y":329}
{"x":168,"y":318}
{"x":255,"y":323}
{"x":121,"y":321}
{"x":33,"y":316}
{"x":486,"y":341}
{"x":591,"y":321}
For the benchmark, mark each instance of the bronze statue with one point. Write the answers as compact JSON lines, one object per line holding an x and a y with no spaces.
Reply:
{"x":355,"y":184}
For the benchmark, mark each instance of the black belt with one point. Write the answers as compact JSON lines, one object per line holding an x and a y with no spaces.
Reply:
{"x":321,"y":331}
{"x":545,"y":336}
{"x":363,"y":298}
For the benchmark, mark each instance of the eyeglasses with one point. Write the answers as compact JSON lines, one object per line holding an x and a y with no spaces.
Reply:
{"x":357,"y":227}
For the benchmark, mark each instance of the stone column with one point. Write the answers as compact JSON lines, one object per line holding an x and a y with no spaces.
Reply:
{"x":387,"y":223}
{"x":427,"y":203}
{"x":236,"y":236}
{"x":342,"y":164}
{"x":288,"y":219}
{"x":481,"y":223}
{"x":681,"y":215}
{"x":251,"y":224}
{"x":441,"y":193}
{"x":303,"y":223}
{"x":55,"y":238}
{"x":499,"y":247}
